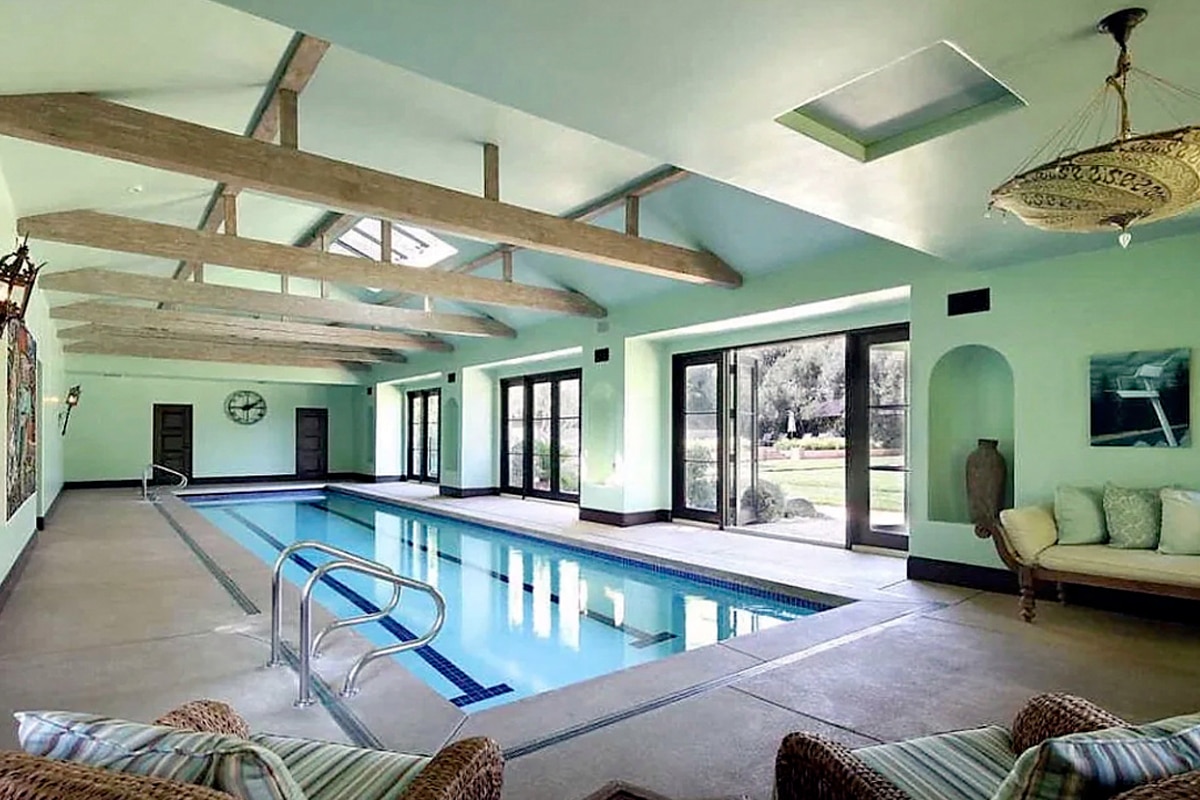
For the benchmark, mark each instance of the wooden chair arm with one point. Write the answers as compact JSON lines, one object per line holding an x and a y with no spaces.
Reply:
{"x":810,"y":767}
{"x":1045,"y":716}
{"x":471,"y":769}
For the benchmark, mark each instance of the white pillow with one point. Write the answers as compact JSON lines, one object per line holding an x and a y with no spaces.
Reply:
{"x":1180,"y":523}
{"x":1030,"y":530}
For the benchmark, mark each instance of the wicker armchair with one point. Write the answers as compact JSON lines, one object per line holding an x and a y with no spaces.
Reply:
{"x":811,"y":767}
{"x":471,"y":769}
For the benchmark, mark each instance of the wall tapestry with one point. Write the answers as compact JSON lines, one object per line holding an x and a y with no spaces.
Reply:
{"x":22,"y":415}
{"x":1142,"y":399}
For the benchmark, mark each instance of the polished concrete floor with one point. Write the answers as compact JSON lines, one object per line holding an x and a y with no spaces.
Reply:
{"x":116,"y":614}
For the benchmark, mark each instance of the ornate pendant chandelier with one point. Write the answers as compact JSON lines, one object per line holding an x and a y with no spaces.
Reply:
{"x":1130,"y":180}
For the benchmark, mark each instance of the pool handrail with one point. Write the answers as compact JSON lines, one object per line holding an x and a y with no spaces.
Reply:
{"x":277,"y":591}
{"x":379,"y":572}
{"x":148,"y":474}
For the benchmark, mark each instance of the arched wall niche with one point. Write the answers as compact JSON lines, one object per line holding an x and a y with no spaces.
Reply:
{"x":970,"y":398}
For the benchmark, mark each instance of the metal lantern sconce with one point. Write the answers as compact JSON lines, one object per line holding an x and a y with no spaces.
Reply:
{"x":70,"y":402}
{"x":17,"y":275}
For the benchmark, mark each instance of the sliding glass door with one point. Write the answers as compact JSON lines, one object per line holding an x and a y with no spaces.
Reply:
{"x":540,"y":437}
{"x":424,"y":429}
{"x":803,"y":439}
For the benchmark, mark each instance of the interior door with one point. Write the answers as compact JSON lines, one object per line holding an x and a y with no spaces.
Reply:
{"x":172,"y":440}
{"x":312,"y":442}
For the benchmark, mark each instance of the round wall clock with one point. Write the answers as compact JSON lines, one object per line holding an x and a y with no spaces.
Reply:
{"x":245,"y":407}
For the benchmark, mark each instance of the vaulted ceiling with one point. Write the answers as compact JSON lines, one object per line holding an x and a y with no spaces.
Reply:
{"x":581,"y":102}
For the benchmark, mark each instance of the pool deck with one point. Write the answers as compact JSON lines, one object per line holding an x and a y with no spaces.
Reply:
{"x":115,"y":613}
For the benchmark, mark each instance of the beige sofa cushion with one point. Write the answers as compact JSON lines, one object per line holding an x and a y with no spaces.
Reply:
{"x":1140,"y":565}
{"x":1029,"y":530}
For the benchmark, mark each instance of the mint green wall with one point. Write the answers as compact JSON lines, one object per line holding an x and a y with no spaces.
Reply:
{"x":1047,"y":319}
{"x":15,"y":530}
{"x":110,"y":436}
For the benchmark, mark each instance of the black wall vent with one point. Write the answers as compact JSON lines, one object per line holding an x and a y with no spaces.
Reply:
{"x":451,"y":377}
{"x":974,"y":301}
{"x":600,"y":355}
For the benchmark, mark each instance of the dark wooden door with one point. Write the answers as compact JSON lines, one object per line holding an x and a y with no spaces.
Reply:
{"x":172,"y":440}
{"x":312,"y":442}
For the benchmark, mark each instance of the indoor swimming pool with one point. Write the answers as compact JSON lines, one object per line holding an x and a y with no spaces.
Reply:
{"x":524,"y":615}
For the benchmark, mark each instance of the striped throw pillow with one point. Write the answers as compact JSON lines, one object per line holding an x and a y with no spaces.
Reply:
{"x":219,"y":761}
{"x":1104,"y":763}
{"x":327,"y":771}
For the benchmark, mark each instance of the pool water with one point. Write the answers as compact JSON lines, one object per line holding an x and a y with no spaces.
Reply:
{"x":523,"y":615}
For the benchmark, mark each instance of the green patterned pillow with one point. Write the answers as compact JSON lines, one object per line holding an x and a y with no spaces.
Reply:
{"x":1079,"y":513}
{"x":1104,"y":763}
{"x":1133,"y":516}
{"x":222,"y":762}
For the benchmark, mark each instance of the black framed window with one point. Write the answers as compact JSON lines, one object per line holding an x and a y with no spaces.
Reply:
{"x":540,"y":435}
{"x":699,"y":440}
{"x":424,"y":434}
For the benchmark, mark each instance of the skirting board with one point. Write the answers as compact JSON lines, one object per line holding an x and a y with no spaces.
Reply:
{"x":989,"y":579}
{"x":10,"y":580}
{"x":624,"y":519}
{"x":481,"y":491}
{"x":41,"y":521}
{"x":124,"y":483}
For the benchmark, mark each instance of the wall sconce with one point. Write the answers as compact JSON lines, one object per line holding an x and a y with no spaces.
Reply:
{"x":71,"y":401}
{"x":17,"y":275}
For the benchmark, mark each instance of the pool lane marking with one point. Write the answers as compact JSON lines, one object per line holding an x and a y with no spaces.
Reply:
{"x":472,"y":690}
{"x":241,"y":598}
{"x":642,"y":639}
{"x":350,"y":724}
{"x":604,"y":721}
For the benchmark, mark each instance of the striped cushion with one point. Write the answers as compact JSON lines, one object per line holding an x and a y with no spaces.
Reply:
{"x":222,"y":762}
{"x":1104,"y":763}
{"x":328,"y":771}
{"x":964,"y":765}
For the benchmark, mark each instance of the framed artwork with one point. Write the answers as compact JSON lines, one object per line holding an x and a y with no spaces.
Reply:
{"x":22,"y":415}
{"x":1141,"y":399}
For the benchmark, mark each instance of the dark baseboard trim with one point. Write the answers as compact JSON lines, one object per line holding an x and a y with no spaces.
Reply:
{"x":124,"y":483}
{"x":624,"y":519}
{"x":210,"y":480}
{"x":384,"y":478}
{"x":14,"y":574}
{"x":481,"y":491}
{"x":41,"y":521}
{"x":989,"y":579}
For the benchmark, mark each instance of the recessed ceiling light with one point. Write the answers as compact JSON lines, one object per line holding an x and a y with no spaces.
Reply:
{"x":135,"y":189}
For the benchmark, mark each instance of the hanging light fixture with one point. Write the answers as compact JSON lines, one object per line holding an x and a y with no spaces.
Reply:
{"x":17,"y":275}
{"x":1129,"y":180}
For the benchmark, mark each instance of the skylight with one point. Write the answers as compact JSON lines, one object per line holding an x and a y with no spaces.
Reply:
{"x":412,"y":247}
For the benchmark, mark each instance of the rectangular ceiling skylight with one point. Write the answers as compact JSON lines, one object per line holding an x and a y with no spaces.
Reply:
{"x":411,"y":246}
{"x":934,"y":91}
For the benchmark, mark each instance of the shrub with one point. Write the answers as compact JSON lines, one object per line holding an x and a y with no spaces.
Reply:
{"x":699,"y":489}
{"x":765,"y":500}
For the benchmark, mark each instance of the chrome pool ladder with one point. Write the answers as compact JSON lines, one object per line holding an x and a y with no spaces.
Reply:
{"x":148,"y":475}
{"x":309,"y":646}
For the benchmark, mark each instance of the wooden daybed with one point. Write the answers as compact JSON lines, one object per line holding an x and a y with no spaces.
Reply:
{"x":1036,"y":557}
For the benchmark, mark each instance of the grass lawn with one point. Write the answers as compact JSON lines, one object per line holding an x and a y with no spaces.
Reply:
{"x":822,"y":481}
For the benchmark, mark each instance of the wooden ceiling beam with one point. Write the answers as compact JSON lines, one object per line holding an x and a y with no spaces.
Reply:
{"x":234,"y":354}
{"x":93,"y":332}
{"x":107,"y":232}
{"x":249,"y":301}
{"x":656,"y":181}
{"x":247,"y":328}
{"x":100,"y":127}
{"x":296,"y":69}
